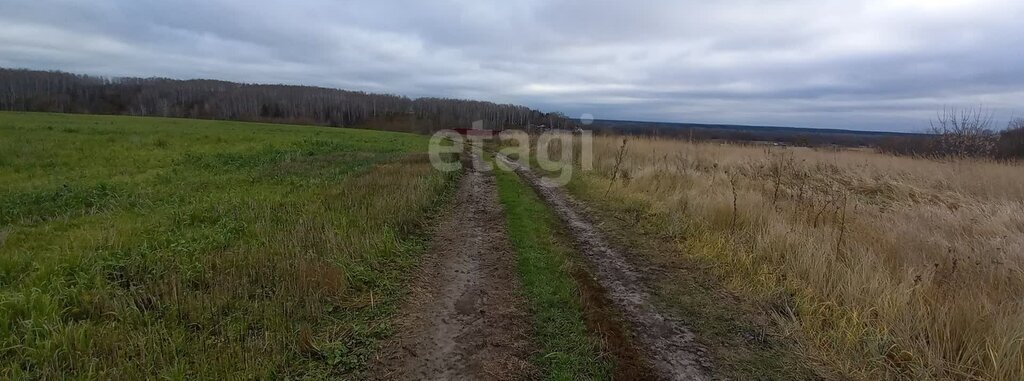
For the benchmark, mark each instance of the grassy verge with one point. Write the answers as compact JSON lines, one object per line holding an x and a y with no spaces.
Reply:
{"x":568,"y":351}
{"x":170,"y":248}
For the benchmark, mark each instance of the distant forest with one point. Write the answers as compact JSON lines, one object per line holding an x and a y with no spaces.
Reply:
{"x":44,"y":91}
{"x":810,"y":137}
{"x":955,"y":133}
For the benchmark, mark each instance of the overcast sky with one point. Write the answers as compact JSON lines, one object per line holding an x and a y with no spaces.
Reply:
{"x":873,"y":64}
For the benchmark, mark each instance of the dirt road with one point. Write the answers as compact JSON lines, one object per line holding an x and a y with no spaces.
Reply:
{"x":464,"y":319}
{"x":667,"y":344}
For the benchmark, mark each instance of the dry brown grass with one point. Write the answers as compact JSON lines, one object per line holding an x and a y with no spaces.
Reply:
{"x":882,"y":267}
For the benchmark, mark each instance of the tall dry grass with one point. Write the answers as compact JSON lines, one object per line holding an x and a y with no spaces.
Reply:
{"x":883,"y":267}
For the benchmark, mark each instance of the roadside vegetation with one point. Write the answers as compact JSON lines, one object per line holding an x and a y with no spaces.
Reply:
{"x":568,"y":351}
{"x":136,"y":248}
{"x":875,"y":266}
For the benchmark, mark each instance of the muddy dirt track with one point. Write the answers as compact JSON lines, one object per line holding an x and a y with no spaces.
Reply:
{"x":667,"y":344}
{"x":464,"y":319}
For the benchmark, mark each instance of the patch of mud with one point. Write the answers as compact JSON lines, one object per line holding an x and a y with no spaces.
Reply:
{"x":603,"y":320}
{"x":667,"y":344}
{"x":464,"y":319}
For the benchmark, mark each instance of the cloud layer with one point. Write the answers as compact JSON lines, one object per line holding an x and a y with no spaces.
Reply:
{"x":871,"y":64}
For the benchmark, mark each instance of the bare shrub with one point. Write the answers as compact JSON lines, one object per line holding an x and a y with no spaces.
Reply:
{"x":1011,"y":140}
{"x":1015,"y":124}
{"x":964,"y":132}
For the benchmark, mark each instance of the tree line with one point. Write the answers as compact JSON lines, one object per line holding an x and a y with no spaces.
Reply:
{"x":963,"y":132}
{"x":51,"y":91}
{"x":790,"y":136}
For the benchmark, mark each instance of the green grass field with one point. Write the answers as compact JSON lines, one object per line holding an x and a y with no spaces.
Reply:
{"x":172,"y":248}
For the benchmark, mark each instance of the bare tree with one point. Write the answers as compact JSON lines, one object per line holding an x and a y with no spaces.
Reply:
{"x":1011,"y":140}
{"x":1016,"y":123}
{"x":964,"y":132}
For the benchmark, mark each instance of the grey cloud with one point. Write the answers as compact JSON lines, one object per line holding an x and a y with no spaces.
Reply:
{"x":872,"y":64}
